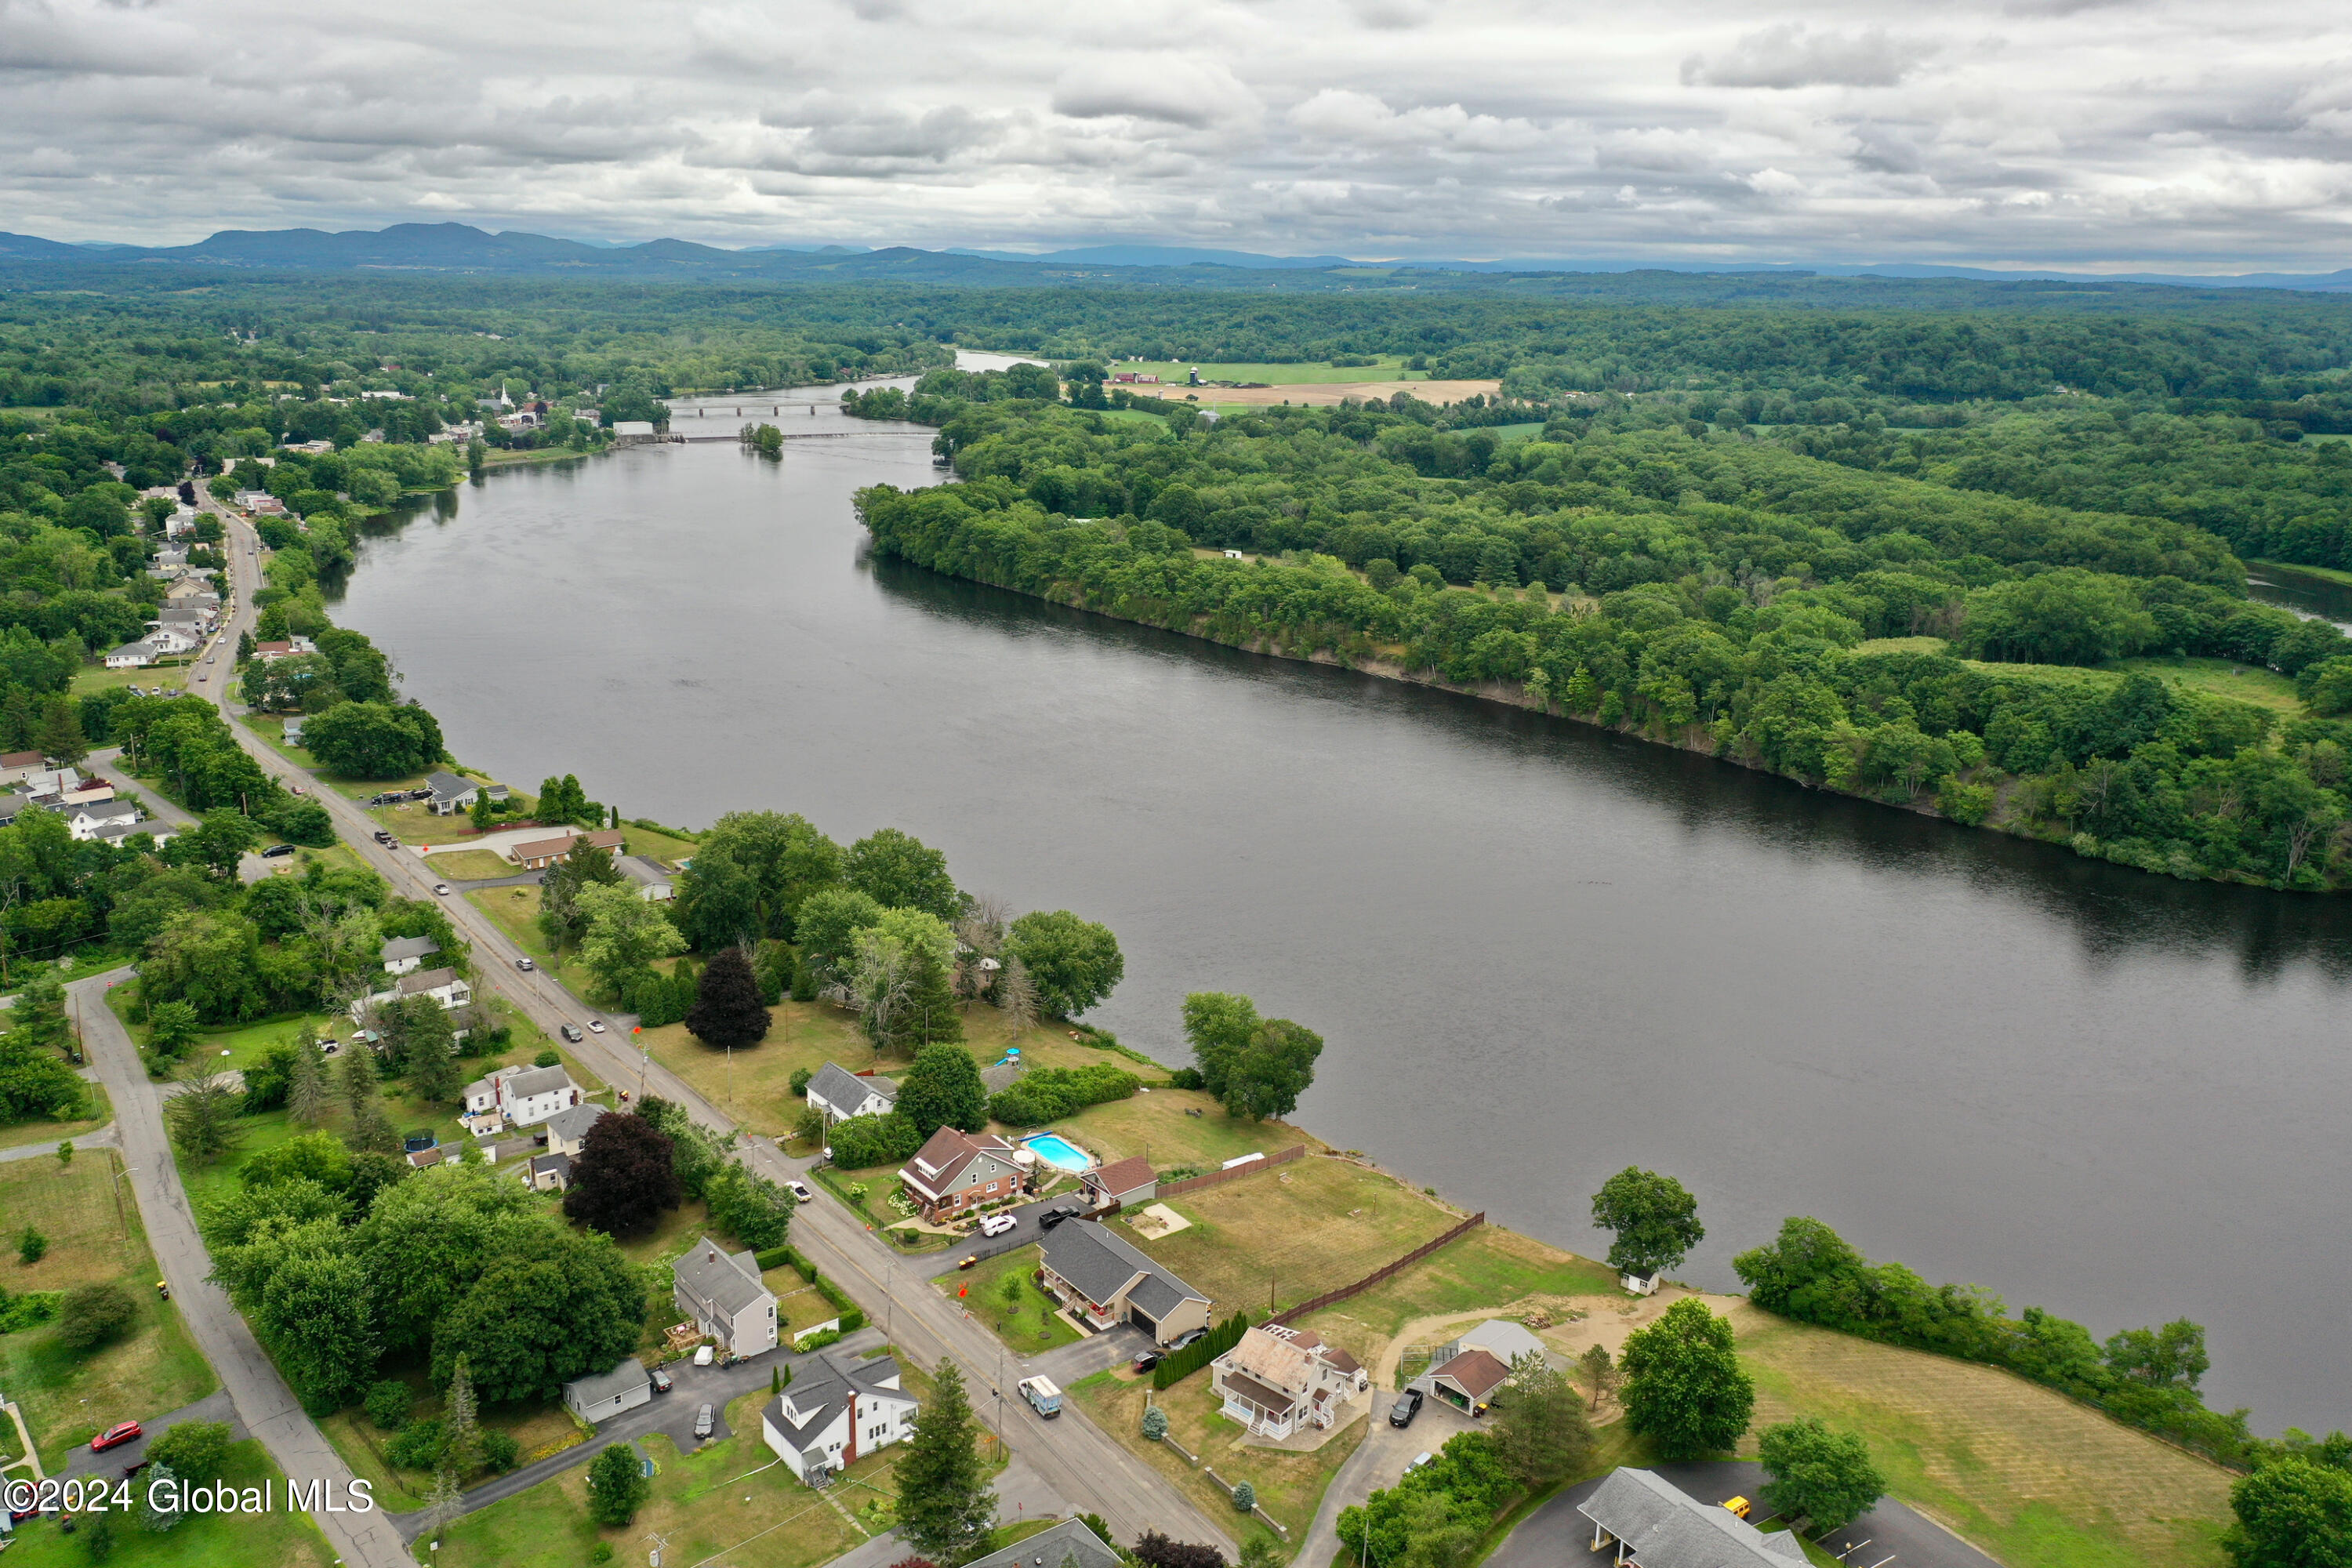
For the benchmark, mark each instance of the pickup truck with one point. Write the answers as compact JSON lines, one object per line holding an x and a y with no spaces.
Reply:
{"x":1042,"y":1396}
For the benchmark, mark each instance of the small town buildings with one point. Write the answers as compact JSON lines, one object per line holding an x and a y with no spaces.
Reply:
{"x":445,"y":987}
{"x":58,"y":782}
{"x":289,"y":648}
{"x":1655,"y":1524}
{"x":568,"y":1128}
{"x":959,"y":1170}
{"x":539,"y":854}
{"x":84,"y":822}
{"x":132,"y":656}
{"x":652,"y":878}
{"x":632,"y":432}
{"x":547,"y":1174}
{"x":1129,"y":1180}
{"x":1279,"y":1380}
{"x":839,"y":1094}
{"x":170,"y":640}
{"x":15,"y":767}
{"x":522,"y":1097}
{"x":724,"y":1295}
{"x":1067,"y":1542}
{"x":119,"y":830}
{"x":1106,"y":1282}
{"x":835,"y":1411}
{"x":605,"y":1395}
{"x":404,"y":954}
{"x":293,"y":732}
{"x":451,"y":794}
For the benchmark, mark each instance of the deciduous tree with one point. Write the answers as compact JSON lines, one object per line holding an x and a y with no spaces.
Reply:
{"x":623,"y":1178}
{"x":1818,"y":1474}
{"x":1655,"y":1220}
{"x":943,"y":1089}
{"x":897,"y":870}
{"x":1075,"y":962}
{"x":616,"y":1486}
{"x":1683,"y":1384}
{"x":1540,"y":1430}
{"x":727,"y":1010}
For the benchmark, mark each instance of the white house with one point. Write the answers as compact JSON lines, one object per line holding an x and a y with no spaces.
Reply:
{"x":115,"y":832}
{"x":404,"y":954}
{"x":1655,"y":1524}
{"x":840,"y":1094}
{"x":529,"y":1096}
{"x":653,"y":881}
{"x":132,"y":656}
{"x":445,"y":987}
{"x":724,"y":1295}
{"x":1279,"y":1380}
{"x":568,"y":1128}
{"x":451,"y":794}
{"x":835,"y":1411}
{"x":83,"y":822}
{"x":170,"y":639}
{"x":605,"y":1395}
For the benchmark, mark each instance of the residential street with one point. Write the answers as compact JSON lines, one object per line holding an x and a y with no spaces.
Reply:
{"x":1073,"y":1457}
{"x":261,"y":1399}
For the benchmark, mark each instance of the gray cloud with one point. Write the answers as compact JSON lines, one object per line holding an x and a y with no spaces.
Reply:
{"x":2029,"y":130}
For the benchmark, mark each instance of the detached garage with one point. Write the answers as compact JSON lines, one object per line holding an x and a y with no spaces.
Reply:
{"x":607,"y":1393}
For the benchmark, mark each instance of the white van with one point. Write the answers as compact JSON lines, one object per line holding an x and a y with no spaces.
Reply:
{"x":1042,"y":1396}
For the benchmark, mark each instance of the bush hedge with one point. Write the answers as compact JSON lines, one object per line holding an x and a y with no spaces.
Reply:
{"x":1177,"y":1365}
{"x":1049,"y":1094}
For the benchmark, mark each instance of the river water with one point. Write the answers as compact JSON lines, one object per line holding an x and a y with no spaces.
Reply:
{"x":1538,"y":953}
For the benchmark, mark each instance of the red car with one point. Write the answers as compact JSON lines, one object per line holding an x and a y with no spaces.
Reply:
{"x":114,"y":1436}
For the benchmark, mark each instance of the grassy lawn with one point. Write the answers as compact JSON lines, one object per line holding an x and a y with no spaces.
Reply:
{"x":800,"y":1307}
{"x":2222,"y":677}
{"x":470,"y":865}
{"x":1025,"y":1320}
{"x":93,"y":1239}
{"x":516,"y":912}
{"x":1289,"y":1486}
{"x":1175,"y":372}
{"x":95,"y":678}
{"x":1293,"y":1232}
{"x":1489,"y":1269}
{"x":706,"y":1503}
{"x":2032,"y":1478}
{"x":24,"y":1133}
{"x":1156,"y":1125}
{"x":281,"y":1538}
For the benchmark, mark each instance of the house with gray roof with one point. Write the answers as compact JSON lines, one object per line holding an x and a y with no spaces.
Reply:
{"x":568,"y":1128}
{"x":404,"y":953}
{"x":451,"y":792}
{"x":1069,"y":1544}
{"x":835,"y":1410}
{"x":651,"y":877}
{"x":120,"y":831}
{"x":723,"y":1293}
{"x":1655,"y":1524}
{"x":529,"y":1097}
{"x":841,"y":1094}
{"x":1105,"y":1282}
{"x":602,"y":1395}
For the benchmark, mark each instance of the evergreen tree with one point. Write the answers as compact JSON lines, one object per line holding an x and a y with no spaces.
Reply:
{"x":306,"y":1084}
{"x":371,"y":1130}
{"x":945,"y":1503}
{"x":943,"y":1089}
{"x":727,"y":1010}
{"x":356,"y":1079}
{"x":61,"y":738}
{"x":434,"y":1071}
{"x":461,"y":1419}
{"x":157,"y":1485}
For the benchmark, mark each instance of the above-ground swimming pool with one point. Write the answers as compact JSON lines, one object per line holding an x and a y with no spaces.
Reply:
{"x":1060,"y":1153}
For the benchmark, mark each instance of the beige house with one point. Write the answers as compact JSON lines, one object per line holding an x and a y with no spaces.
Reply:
{"x":1280,"y":1380}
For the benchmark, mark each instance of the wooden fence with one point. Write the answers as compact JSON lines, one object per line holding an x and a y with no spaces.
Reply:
{"x":1369,"y":1280}
{"x":1212,"y":1178}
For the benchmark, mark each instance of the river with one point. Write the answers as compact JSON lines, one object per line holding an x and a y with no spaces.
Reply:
{"x":1538,"y":953}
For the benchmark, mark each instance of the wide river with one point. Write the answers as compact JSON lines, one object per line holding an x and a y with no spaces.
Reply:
{"x":1540,"y":953}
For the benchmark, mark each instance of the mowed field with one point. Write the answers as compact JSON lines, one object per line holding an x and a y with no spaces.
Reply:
{"x":2034,"y":1479}
{"x":1321,"y":395}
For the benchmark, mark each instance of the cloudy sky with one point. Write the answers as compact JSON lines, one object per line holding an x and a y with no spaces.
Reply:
{"x":2207,"y":136}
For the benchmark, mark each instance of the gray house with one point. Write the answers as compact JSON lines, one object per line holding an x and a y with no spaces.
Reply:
{"x":603,"y":1396}
{"x":723,"y":1293}
{"x":404,"y":953}
{"x":841,"y":1094}
{"x":451,"y":794}
{"x":1103,"y":1280}
{"x":1655,"y":1524}
{"x":1068,"y":1542}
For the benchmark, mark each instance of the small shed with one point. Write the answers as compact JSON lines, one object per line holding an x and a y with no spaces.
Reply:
{"x":605,"y":1395}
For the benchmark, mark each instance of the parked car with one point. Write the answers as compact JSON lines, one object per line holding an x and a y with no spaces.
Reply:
{"x":703,"y":1422}
{"x":442,"y":888}
{"x":800,"y":1193}
{"x":420,"y":795}
{"x":1187,"y":1338}
{"x":1419,"y":1460}
{"x":525,"y":964}
{"x":274,"y":850}
{"x":1049,"y":1218}
{"x":114,"y":1436}
{"x":661,"y":1381}
{"x":1407,"y":1407}
{"x":998,"y":1224}
{"x":571,"y":1032}
{"x":596,"y":1025}
{"x":1147,"y":1360}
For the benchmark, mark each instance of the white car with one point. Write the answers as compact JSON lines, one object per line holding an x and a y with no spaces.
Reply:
{"x":997,"y":1225}
{"x":596,"y":1025}
{"x":442,"y":888}
{"x":800,"y":1193}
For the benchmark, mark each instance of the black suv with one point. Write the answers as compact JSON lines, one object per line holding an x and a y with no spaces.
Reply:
{"x":1407,"y":1407}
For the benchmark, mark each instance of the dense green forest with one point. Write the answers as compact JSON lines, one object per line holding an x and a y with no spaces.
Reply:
{"x":1938,"y":647}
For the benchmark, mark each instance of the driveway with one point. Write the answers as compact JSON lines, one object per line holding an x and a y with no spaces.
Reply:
{"x":1026,"y":1232}
{"x":671,"y":1414}
{"x":108,"y":765}
{"x":1377,"y":1462}
{"x":1888,"y":1536}
{"x":216,"y":1406}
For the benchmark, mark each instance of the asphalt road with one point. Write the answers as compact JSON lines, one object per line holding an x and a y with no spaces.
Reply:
{"x":260,"y":1398}
{"x":1888,"y":1536}
{"x":1070,"y":1454}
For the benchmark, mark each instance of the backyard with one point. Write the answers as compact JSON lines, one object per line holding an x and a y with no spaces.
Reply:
{"x":1490,"y":1269}
{"x":94,"y":1236}
{"x":1003,"y":1294}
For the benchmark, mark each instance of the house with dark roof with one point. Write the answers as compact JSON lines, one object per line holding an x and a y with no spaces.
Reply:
{"x":568,"y":1128}
{"x":839,"y":1094}
{"x":723,"y":1293}
{"x":1105,"y":1282}
{"x":1279,"y":1380}
{"x":537,"y":854}
{"x":835,"y":1410}
{"x":1069,"y":1544}
{"x":547,"y":1172}
{"x":651,"y":877}
{"x":1655,"y":1524}
{"x":120,"y":829}
{"x":956,"y":1171}
{"x":451,"y":792}
{"x":1128,"y":1180}
{"x":605,"y":1395}
{"x":1468,"y":1382}
{"x":403,"y":955}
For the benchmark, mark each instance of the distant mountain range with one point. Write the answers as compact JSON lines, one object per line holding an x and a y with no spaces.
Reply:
{"x":459,"y":248}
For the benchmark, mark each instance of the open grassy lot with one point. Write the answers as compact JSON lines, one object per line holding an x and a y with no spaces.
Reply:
{"x":800,"y":1306}
{"x":169,"y":674}
{"x":92,"y":1239}
{"x":515,"y":911}
{"x":281,"y":1538}
{"x":2221,"y":678}
{"x":1289,"y":1485}
{"x":1003,"y":1294}
{"x":2032,"y":1478}
{"x":1292,"y":1232}
{"x":470,"y":865}
{"x":1391,"y":367}
{"x":1490,"y":1268}
{"x":727,"y":1495}
{"x":1157,"y":1126}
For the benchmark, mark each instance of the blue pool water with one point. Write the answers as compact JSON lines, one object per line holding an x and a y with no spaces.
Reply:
{"x":1060,"y":1153}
